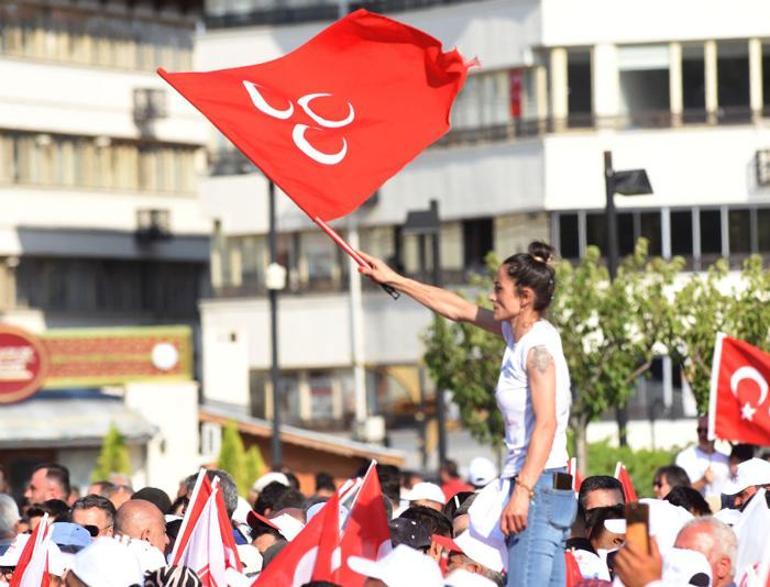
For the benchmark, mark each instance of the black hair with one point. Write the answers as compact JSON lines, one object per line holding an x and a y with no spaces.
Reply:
{"x":96,"y":501}
{"x":292,"y":478}
{"x":390,"y":479}
{"x":291,"y":498}
{"x":268,"y":497}
{"x":450,"y":468}
{"x":596,"y":517}
{"x":57,"y":510}
{"x":321,"y":584}
{"x":742,"y":452}
{"x":156,"y":497}
{"x":533,"y":270}
{"x":675,"y":476}
{"x":273,"y":551}
{"x":690,"y":499}
{"x":58,"y":474}
{"x":324,"y":481}
{"x":105,"y":487}
{"x":433,"y":520}
{"x":595,"y":483}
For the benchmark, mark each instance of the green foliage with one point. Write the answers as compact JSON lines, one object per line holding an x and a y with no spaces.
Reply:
{"x":711,"y":303}
{"x":254,"y":467}
{"x":641,"y":464}
{"x":466,"y":360}
{"x":114,"y":456}
{"x":232,"y":457}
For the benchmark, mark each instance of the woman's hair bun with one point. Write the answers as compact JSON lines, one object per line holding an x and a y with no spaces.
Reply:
{"x":541,"y":252}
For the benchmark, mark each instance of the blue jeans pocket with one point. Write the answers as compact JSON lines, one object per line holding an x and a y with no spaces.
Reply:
{"x":562,"y":507}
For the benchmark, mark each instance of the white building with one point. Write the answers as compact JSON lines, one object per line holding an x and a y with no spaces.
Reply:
{"x":100,"y":221}
{"x":680,"y":89}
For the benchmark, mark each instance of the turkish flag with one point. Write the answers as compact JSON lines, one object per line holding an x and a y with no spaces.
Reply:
{"x":331,"y":121}
{"x":574,"y":574}
{"x":739,"y":409}
{"x":621,"y":474}
{"x":367,"y":533}
{"x":577,"y":478}
{"x":326,"y":567}
{"x":32,"y":566}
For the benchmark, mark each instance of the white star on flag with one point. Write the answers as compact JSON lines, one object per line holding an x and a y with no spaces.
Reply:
{"x":748,"y":411}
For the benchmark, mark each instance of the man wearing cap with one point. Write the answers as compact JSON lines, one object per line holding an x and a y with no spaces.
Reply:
{"x":752,"y":476}
{"x":69,"y":537}
{"x":473,"y":554}
{"x":481,"y":472}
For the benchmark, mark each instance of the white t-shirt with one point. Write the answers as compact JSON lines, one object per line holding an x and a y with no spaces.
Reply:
{"x":514,"y":396}
{"x":695,"y":462}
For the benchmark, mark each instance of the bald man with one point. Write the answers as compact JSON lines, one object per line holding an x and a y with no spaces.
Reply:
{"x":142,"y":520}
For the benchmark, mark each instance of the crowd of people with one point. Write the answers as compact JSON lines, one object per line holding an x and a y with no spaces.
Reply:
{"x":115,"y":536}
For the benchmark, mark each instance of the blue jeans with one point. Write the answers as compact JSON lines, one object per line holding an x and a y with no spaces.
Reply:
{"x":536,"y":555}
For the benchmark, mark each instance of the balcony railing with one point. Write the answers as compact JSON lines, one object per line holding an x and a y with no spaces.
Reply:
{"x":279,"y":12}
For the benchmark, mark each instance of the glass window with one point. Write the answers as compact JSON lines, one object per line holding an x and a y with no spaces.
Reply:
{"x":319,"y":256}
{"x":650,"y":229}
{"x":321,"y":395}
{"x":733,"y":79}
{"x":596,"y":231}
{"x":288,"y":391}
{"x":580,"y":104}
{"x":644,"y":84}
{"x":710,"y":232}
{"x":694,"y":83}
{"x":681,"y":232}
{"x":763,"y":224}
{"x":740,"y":231}
{"x":626,"y":237}
{"x":569,"y":240}
{"x":478,"y":240}
{"x":766,"y":76}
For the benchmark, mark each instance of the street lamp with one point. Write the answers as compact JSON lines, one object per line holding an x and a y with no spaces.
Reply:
{"x":633,"y":182}
{"x":424,"y":223}
{"x":275,"y":281}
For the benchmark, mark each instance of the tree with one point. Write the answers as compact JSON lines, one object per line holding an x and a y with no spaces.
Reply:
{"x":114,"y":456}
{"x":254,"y":467}
{"x":712,"y":303}
{"x":610,"y":334}
{"x":232,"y":456}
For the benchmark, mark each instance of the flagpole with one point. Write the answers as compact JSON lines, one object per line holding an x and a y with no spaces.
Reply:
{"x":275,"y":441}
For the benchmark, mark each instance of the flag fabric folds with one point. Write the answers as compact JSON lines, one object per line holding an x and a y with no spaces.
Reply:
{"x":621,"y":474}
{"x":206,"y":542}
{"x":331,"y":121}
{"x":32,"y":568}
{"x":739,"y":406}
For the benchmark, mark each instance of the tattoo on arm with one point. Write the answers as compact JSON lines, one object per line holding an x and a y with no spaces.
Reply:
{"x":540,"y":359}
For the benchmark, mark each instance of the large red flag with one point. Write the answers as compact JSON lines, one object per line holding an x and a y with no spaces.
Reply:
{"x":330,"y":122}
{"x":366,"y":531}
{"x":327,"y":563}
{"x":32,"y":567}
{"x":739,"y":409}
{"x":574,"y":575}
{"x":621,"y":474}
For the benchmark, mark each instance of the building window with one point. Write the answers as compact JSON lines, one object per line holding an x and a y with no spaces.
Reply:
{"x":626,"y":233}
{"x":478,"y":241}
{"x":763,"y":225}
{"x":569,"y":239}
{"x":596,"y":231}
{"x":580,"y":101}
{"x":650,"y":229}
{"x":740,"y":231}
{"x":710,"y":232}
{"x":644,"y":84}
{"x":321,"y":395}
{"x":733,"y":81}
{"x":681,"y":233}
{"x":694,"y":83}
{"x":487,"y":100}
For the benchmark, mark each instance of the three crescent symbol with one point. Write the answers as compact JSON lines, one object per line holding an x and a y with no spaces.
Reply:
{"x":754,"y":375}
{"x":298,"y":135}
{"x":304,"y":102}
{"x":259,"y":101}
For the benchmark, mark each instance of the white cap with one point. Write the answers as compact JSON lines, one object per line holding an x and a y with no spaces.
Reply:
{"x":481,"y":471}
{"x":750,"y":473}
{"x":680,"y":565}
{"x":268,"y":478}
{"x":250,"y":557}
{"x":241,"y":513}
{"x":401,"y":566}
{"x":108,"y":563}
{"x":489,"y":554}
{"x":615,"y":525}
{"x":58,"y":561}
{"x":592,"y":565}
{"x":463,"y":578}
{"x":425,"y":490}
{"x":287,"y":525}
{"x":728,"y":516}
{"x":666,"y":519}
{"x":149,"y":557}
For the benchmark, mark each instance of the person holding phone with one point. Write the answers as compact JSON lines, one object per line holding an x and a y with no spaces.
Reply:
{"x":533,"y":394}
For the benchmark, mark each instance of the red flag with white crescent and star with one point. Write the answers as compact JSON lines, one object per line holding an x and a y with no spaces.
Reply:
{"x":739,"y":406}
{"x":331,"y":121}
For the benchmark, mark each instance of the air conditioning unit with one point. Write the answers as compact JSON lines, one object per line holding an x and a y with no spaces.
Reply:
{"x":149,"y":104}
{"x":153,"y":225}
{"x":763,"y":167}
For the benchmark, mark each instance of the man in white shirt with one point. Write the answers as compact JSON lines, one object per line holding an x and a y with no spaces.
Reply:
{"x":707,"y":468}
